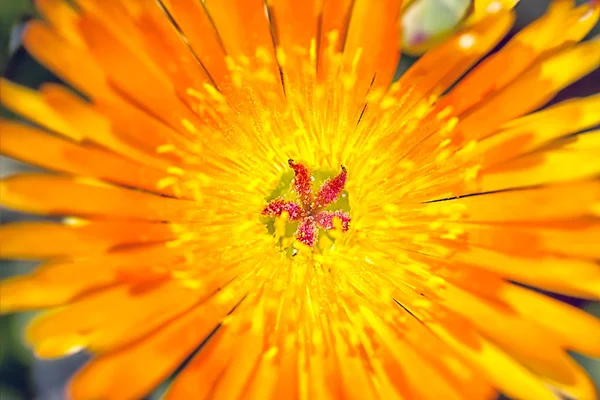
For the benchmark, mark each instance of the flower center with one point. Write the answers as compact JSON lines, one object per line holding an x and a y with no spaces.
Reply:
{"x":311,"y":211}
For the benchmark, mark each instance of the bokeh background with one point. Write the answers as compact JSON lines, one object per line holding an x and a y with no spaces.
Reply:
{"x":22,"y":375}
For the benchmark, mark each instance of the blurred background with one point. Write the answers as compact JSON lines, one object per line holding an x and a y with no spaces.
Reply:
{"x":22,"y":375}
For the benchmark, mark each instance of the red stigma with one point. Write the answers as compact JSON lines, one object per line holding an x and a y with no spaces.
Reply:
{"x":310,"y":212}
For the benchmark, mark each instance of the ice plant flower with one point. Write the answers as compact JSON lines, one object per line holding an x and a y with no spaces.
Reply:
{"x":168,"y":255}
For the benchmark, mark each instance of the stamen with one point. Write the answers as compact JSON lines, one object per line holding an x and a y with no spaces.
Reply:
{"x":331,"y":190}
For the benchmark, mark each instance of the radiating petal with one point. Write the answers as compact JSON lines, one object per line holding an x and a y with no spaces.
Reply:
{"x":530,"y":90}
{"x":194,"y":21}
{"x":35,"y":240}
{"x":370,"y":58}
{"x":530,"y":44}
{"x":116,"y":374}
{"x":74,"y":65}
{"x":52,"y":284}
{"x":71,"y":196}
{"x":38,"y":148}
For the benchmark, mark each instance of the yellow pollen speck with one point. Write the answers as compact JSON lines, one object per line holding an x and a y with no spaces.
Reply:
{"x":387,"y":103}
{"x":230,"y":63}
{"x":263,"y":55}
{"x":175,"y":171}
{"x":271,"y":353}
{"x":214,"y":93}
{"x":444,"y":113}
{"x":167,"y":182}
{"x":356,"y":59}
{"x":313,"y":50}
{"x":445,"y":142}
{"x":165,"y":148}
{"x":194,"y":93}
{"x":451,"y":124}
{"x":281,"y":57}
{"x":188,"y":125}
{"x":469,"y":146}
{"x":471,"y":173}
{"x":191,"y":283}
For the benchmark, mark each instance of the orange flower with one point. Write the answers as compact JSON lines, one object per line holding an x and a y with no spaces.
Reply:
{"x":170,"y":153}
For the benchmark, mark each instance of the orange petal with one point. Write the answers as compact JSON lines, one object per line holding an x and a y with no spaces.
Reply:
{"x":137,"y":76}
{"x":55,"y":195}
{"x":117,"y":316}
{"x":501,"y":68}
{"x":104,"y":125}
{"x":63,"y":19}
{"x":569,"y":276}
{"x":502,"y":370}
{"x":192,"y":18}
{"x":53,"y":284}
{"x":199,"y":376}
{"x":117,"y":374}
{"x":30,"y":104}
{"x":442,"y":66}
{"x":550,"y":203}
{"x":46,"y":239}
{"x":74,"y":65}
{"x":295,"y":23}
{"x":370,"y":51}
{"x":576,"y":160}
{"x":531,"y":344}
{"x":532,"y":131}
{"x":295,"y":29}
{"x":242,"y":25}
{"x":530,"y":90}
{"x":38,"y":148}
{"x":245,"y":31}
{"x":578,"y":330}
{"x":162,"y":39}
{"x":335,"y":19}
{"x":565,"y":238}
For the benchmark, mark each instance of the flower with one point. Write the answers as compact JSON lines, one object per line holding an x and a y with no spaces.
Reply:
{"x":460,"y":196}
